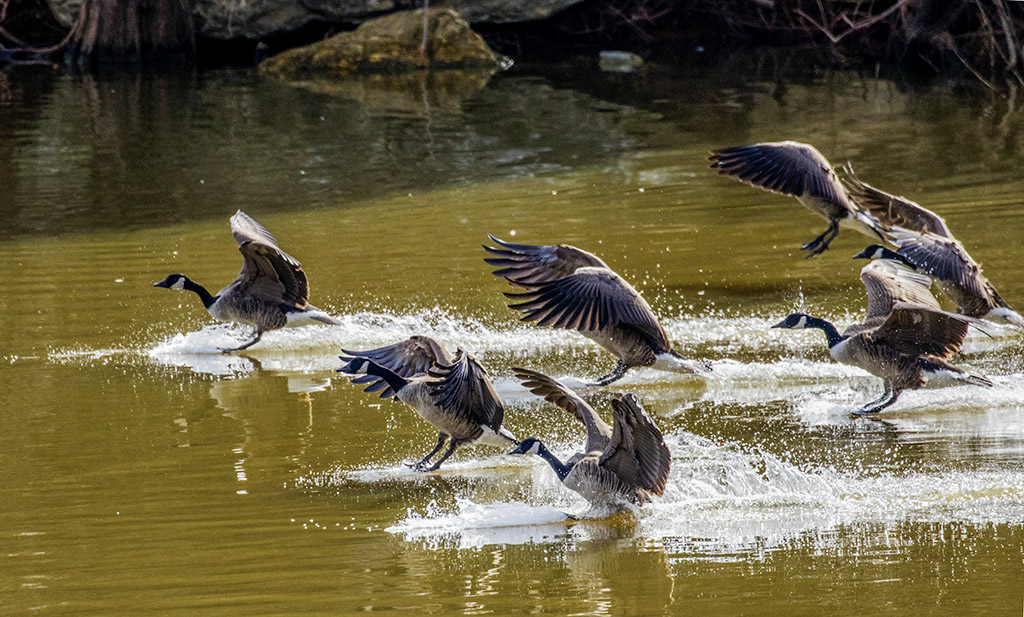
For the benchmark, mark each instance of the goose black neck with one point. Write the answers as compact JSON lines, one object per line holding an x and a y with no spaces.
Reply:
{"x":200,"y":291}
{"x":397,"y":382}
{"x":560,"y":468}
{"x":893,"y":255}
{"x":825,"y":326}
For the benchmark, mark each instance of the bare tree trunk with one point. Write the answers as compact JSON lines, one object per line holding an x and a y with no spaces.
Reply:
{"x":129,"y":31}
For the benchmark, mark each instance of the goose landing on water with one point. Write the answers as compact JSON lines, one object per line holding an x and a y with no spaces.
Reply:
{"x":567,"y":287}
{"x":454,"y":394}
{"x":270,"y":293}
{"x":798,"y":170}
{"x":906,"y":339}
{"x":627,"y":463}
{"x":925,"y":243}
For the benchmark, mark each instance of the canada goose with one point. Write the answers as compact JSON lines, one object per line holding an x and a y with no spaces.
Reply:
{"x":454,"y":394}
{"x":925,"y":244}
{"x":797,"y":170}
{"x":629,"y":462}
{"x":567,"y":287}
{"x":906,"y":339}
{"x":270,"y":293}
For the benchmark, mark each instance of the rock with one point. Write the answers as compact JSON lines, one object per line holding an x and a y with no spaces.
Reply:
{"x":256,"y":19}
{"x":390,"y":45}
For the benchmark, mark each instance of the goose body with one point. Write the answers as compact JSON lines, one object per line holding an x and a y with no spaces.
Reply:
{"x":271,"y":292}
{"x":906,"y":339}
{"x":925,"y":243}
{"x":627,"y":462}
{"x":454,"y":394}
{"x":797,"y":170}
{"x":567,"y":287}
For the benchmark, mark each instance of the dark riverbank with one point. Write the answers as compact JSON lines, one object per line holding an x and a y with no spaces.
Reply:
{"x":978,"y":41}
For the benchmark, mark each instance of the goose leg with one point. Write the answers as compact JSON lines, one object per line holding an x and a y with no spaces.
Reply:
{"x":820,"y":244}
{"x":422,"y":465}
{"x":616,"y":374}
{"x":890,"y":396}
{"x":256,"y":339}
{"x":452,"y":444}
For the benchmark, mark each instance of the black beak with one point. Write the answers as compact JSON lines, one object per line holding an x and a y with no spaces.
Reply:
{"x":781,"y":324}
{"x":161,"y":284}
{"x":862,"y":255}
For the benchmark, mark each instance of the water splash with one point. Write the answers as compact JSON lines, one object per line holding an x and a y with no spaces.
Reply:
{"x":722,"y":499}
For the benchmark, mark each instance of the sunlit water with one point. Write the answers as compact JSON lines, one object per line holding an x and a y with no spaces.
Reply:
{"x":145,"y":472}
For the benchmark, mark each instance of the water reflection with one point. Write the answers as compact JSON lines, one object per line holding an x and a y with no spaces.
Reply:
{"x":290,"y":477}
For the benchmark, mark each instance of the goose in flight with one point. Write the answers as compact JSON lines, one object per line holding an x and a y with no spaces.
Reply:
{"x":567,"y":287}
{"x":797,"y":170}
{"x":454,"y":394}
{"x":925,"y":243}
{"x":906,"y":339}
{"x":270,"y":293}
{"x":628,"y":462}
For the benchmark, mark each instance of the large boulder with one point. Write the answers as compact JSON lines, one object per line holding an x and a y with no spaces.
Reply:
{"x":391,"y":44}
{"x":256,"y":19}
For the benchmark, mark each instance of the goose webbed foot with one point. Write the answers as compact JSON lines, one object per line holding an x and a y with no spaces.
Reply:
{"x":616,"y":374}
{"x":422,"y":465}
{"x":820,"y":244}
{"x":879,"y":404}
{"x":247,"y":345}
{"x":451,"y":448}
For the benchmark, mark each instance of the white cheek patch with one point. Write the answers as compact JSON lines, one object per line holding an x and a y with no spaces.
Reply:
{"x":535,"y":448}
{"x":179,"y":284}
{"x":802,"y":323}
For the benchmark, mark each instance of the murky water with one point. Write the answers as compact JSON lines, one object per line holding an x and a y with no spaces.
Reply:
{"x":142,"y":473}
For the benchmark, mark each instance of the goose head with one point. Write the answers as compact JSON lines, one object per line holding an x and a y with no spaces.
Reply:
{"x":795,"y":321}
{"x":531,"y":445}
{"x":173,"y":281}
{"x":1006,"y":315}
{"x":874,"y":251}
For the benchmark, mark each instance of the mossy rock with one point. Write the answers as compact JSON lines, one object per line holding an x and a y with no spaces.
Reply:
{"x":389,"y":45}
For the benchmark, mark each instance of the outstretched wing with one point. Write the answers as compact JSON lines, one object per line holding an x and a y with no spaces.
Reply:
{"x":889,"y":283}
{"x":637,"y":453}
{"x":554,"y":391}
{"x":787,"y":167}
{"x":943,"y":258}
{"x":892,"y":210}
{"x":527,"y":264}
{"x":592,"y":299}
{"x":916,"y":330}
{"x":411,"y":357}
{"x":268,"y":273}
{"x":464,"y":389}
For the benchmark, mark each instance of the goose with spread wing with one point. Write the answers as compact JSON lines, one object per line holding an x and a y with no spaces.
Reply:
{"x":628,"y":462}
{"x":797,"y":170}
{"x":925,"y":243}
{"x":567,"y":287}
{"x":270,"y":293}
{"x":454,"y":394}
{"x":906,"y":339}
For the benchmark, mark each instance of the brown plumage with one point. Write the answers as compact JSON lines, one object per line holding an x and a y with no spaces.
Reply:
{"x":452,"y":393}
{"x":566,"y":287}
{"x":628,"y":461}
{"x":271,"y":291}
{"x":925,"y":243}
{"x":905,"y":339}
{"x":797,"y":170}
